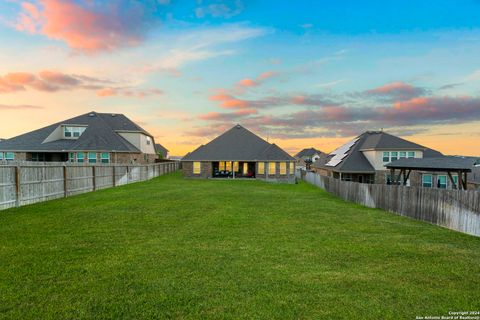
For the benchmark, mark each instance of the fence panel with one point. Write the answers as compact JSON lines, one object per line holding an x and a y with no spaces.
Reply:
{"x":40,"y":183}
{"x":454,"y":209}
{"x":8,"y":197}
{"x":25,"y":183}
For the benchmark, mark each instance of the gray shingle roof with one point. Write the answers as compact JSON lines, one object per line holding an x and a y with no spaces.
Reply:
{"x":308,"y":152}
{"x":238,"y":144}
{"x":433,"y":164}
{"x":355,"y":160}
{"x":100,"y":135}
{"x":386,"y":141}
{"x":161,"y":149}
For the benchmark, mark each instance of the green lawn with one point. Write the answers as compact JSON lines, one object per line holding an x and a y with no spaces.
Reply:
{"x":178,"y":248}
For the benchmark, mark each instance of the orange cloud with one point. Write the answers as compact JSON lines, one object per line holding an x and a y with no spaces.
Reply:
{"x":247,"y":83}
{"x":89,"y":28}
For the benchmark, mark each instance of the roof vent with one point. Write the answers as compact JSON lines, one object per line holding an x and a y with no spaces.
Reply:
{"x":91,"y":114}
{"x":114,"y":115}
{"x":238,"y":126}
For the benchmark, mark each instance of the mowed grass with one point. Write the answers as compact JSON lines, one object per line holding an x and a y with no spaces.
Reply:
{"x":191,"y":249}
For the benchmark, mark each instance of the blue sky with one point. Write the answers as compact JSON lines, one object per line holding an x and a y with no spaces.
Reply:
{"x":305,"y":73}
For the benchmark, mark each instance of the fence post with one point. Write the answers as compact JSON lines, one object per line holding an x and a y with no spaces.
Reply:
{"x":147,"y":173}
{"x":128,"y":173}
{"x":65,"y":181}
{"x":94,"y":179}
{"x":113,"y":176}
{"x":17,"y":186}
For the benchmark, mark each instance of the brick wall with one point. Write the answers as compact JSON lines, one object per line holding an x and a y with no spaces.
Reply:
{"x":206,"y":169}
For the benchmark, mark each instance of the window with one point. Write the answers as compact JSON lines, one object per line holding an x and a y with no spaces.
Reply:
{"x":393,"y":155}
{"x":442,"y":182}
{"x":386,"y":156}
{"x":9,"y":156}
{"x":196,"y":167}
{"x":71,"y":157}
{"x":228,"y":166}
{"x":283,"y":168}
{"x":245,"y":168}
{"x":80,"y":157}
{"x":221,"y":166}
{"x":235,"y":166}
{"x":403,"y":154}
{"x":105,"y":157}
{"x":1,"y":156}
{"x":73,"y":132}
{"x":271,"y":168}
{"x":427,"y":180}
{"x":455,"y":179}
{"x":92,"y":157}
{"x":292,"y":167}
{"x":411,"y":154}
{"x":149,"y":140}
{"x":261,"y":168}
{"x":67,"y":133}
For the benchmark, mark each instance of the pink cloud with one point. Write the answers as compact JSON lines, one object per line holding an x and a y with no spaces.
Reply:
{"x":128,"y":92}
{"x":51,"y":81}
{"x":89,"y":28}
{"x":397,"y":90}
{"x":265,"y":75}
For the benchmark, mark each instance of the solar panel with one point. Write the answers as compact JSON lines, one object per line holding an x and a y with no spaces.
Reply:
{"x":340,"y":153}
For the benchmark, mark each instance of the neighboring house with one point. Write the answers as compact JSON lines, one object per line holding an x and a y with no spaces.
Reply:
{"x":239,"y":153}
{"x":90,"y":138}
{"x":308,"y":156}
{"x":161,"y":151}
{"x":364,"y":158}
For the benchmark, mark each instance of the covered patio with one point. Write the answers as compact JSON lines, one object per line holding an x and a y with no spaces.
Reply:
{"x":233,"y":169}
{"x":400,"y":169}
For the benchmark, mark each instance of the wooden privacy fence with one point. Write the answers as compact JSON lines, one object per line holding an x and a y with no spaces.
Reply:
{"x":454,"y":209}
{"x":26,"y":184}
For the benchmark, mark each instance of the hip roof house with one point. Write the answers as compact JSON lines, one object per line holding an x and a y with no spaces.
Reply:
{"x":239,"y":153}
{"x":89,"y":138}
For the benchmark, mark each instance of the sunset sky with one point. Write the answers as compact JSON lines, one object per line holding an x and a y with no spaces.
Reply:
{"x":302,"y":73}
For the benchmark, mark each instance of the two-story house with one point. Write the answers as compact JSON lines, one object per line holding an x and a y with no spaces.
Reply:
{"x":89,"y":138}
{"x":363,"y":159}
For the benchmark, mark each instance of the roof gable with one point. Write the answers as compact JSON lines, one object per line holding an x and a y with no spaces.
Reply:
{"x":238,"y":144}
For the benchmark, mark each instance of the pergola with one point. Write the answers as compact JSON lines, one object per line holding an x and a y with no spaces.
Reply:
{"x":460,"y":166}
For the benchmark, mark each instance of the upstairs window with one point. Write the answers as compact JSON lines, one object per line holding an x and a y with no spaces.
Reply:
{"x":1,"y":156}
{"x":411,"y":154}
{"x":386,"y":156}
{"x":73,"y":132}
{"x":149,"y":140}
{"x":403,"y":154}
